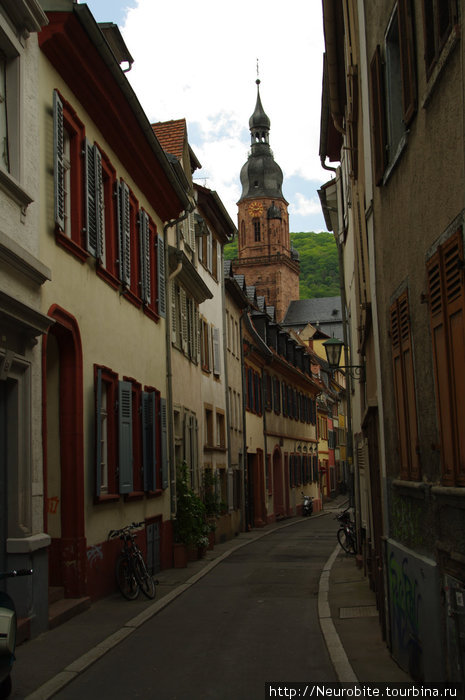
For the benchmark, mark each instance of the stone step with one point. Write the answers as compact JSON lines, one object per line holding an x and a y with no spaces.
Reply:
{"x":55,"y":593}
{"x":66,"y":608}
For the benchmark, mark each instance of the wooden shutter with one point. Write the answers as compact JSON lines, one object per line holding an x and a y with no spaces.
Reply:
{"x":144,"y":249}
{"x":407,"y":60}
{"x":149,"y":441}
{"x":446,"y":297}
{"x":161,"y":277}
{"x":90,"y":202}
{"x":98,"y":434}
{"x":58,"y":161}
{"x":125,"y":436}
{"x":164,"y":444}
{"x":378,"y":116}
{"x":99,"y":204}
{"x":404,"y":386}
{"x":216,"y":352}
{"x":124,"y":234}
{"x":184,"y":324}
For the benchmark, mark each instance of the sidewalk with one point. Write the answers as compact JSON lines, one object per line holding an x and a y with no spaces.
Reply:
{"x":347,"y":610}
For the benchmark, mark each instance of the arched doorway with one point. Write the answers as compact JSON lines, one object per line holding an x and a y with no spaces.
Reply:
{"x":278,"y":488}
{"x":64,"y":454}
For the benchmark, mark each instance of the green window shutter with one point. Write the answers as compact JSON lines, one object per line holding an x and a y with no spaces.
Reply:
{"x":164,"y":444}
{"x":124,"y":234}
{"x":161,"y":277}
{"x":144,"y":248}
{"x":91,"y":200}
{"x":149,"y":446}
{"x":98,"y":434}
{"x":125,"y":436}
{"x":58,"y":161}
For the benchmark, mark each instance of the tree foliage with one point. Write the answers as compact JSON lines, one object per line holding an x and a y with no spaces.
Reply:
{"x":319,"y":268}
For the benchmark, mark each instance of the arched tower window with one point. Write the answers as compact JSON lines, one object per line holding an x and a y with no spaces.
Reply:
{"x":256,"y":229}
{"x":243,"y":232}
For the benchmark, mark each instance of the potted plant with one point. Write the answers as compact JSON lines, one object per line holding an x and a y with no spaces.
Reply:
{"x":190,"y":527}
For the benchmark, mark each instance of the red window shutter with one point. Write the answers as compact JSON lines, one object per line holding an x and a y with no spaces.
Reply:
{"x":378,"y":118}
{"x":407,"y":60}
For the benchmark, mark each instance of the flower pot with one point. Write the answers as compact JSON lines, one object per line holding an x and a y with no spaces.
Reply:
{"x":192,"y":552}
{"x":179,"y":556}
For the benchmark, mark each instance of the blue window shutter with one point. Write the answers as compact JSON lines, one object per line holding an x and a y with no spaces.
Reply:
{"x":149,"y":441}
{"x":90,"y":200}
{"x":98,"y":434}
{"x":125,"y":436}
{"x":58,"y":164}
{"x":144,"y":248}
{"x":124,"y":234}
{"x":161,"y":277}
{"x":164,"y":443}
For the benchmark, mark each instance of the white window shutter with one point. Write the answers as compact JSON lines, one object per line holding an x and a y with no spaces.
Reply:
{"x":174,"y":316}
{"x":144,"y":248}
{"x":216,"y":352}
{"x":191,"y":225}
{"x":124,"y":229}
{"x":58,"y":164}
{"x":100,"y":205}
{"x":184,"y":330}
{"x":90,"y":201}
{"x":161,"y":277}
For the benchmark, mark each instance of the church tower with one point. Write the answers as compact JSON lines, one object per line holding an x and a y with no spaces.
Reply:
{"x":265,"y":255}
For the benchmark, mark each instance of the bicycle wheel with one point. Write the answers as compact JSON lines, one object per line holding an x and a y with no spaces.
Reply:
{"x":125,"y":578}
{"x":145,"y":581}
{"x":346,"y":541}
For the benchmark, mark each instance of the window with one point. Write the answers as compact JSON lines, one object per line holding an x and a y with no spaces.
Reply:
{"x":404,"y":385}
{"x":205,"y":345}
{"x":253,"y":386}
{"x":447,"y":317}
{"x":4,"y":145}
{"x":186,"y":325}
{"x":131,"y":437}
{"x":68,"y":144}
{"x":393,"y":89}
{"x":439,"y":16}
{"x":256,"y":230}
{"x":9,"y":106}
{"x":208,"y":427}
{"x":220,"y":429}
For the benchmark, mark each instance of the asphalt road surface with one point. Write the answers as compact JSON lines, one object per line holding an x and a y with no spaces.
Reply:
{"x":253,"y":619}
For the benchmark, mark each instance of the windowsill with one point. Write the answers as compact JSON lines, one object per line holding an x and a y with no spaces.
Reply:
{"x":392,"y":165}
{"x":155,"y":494}
{"x":107,"y":277}
{"x":131,"y":297}
{"x":414,"y":489}
{"x":12,"y":187}
{"x":213,"y":448}
{"x":151,"y":314}
{"x":134,"y":496}
{"x":450,"y":492}
{"x":107,"y":498}
{"x":71,"y":246}
{"x":446,"y":53}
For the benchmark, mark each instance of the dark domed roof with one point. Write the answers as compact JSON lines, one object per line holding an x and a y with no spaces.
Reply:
{"x":261,"y":176}
{"x":259,"y":120}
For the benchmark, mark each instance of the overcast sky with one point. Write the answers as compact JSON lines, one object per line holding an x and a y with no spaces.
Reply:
{"x":198,"y":60}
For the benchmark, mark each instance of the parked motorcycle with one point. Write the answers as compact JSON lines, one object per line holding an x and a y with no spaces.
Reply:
{"x":8,"y":624}
{"x":307,"y":508}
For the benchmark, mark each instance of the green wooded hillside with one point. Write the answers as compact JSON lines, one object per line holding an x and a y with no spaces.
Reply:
{"x":319,"y":269}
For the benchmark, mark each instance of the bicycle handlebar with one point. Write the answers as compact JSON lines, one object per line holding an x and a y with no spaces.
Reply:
{"x":15,"y":572}
{"x":126,"y":530}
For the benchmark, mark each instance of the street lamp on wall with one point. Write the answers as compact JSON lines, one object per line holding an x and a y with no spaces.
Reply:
{"x":333,"y":348}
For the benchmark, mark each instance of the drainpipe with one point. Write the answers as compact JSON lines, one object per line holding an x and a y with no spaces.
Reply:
{"x":226,"y":380}
{"x":169,"y":370}
{"x":245,"y":494}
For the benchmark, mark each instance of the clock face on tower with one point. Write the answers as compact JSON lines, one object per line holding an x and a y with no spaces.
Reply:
{"x":255,"y":208}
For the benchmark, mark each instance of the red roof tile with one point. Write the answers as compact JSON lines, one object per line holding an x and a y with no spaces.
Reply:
{"x":171,"y":136}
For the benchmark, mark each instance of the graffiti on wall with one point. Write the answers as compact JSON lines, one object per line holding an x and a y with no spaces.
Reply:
{"x":405,"y":601}
{"x":414,"y":612}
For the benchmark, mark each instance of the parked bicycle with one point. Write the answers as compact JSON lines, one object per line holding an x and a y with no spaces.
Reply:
{"x":346,"y":534}
{"x":131,"y":570}
{"x":8,"y":627}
